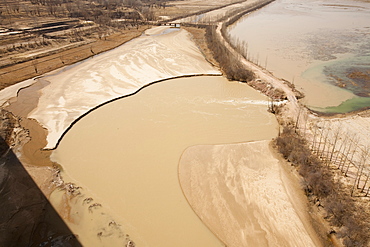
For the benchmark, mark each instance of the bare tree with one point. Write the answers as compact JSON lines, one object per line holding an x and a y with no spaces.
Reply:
{"x":365,"y":182}
{"x":305,"y":119}
{"x":148,"y":14}
{"x":355,"y":182}
{"x":314,"y":137}
{"x":346,"y":154}
{"x":342,"y":145}
{"x":69,"y":7}
{"x":296,"y":123}
{"x":336,"y":136}
{"x":325,"y":141}
{"x":351,"y":161}
{"x":364,"y":161}
{"x":321,"y":135}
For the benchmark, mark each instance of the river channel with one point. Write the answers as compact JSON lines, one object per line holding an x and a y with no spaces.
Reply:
{"x":127,"y":152}
{"x":322,"y":47}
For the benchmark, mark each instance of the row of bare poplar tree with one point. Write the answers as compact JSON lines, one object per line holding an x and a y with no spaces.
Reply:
{"x":337,"y":147}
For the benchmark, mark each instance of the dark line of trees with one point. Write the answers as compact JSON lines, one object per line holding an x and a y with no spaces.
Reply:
{"x":229,"y":63}
{"x":100,"y":11}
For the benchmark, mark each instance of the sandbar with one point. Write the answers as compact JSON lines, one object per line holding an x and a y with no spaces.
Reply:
{"x":245,"y":196}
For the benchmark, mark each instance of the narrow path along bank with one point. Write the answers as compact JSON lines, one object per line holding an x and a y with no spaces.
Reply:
{"x":350,"y":176}
{"x":227,"y":17}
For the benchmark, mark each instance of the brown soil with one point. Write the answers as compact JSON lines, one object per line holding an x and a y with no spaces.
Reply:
{"x":27,"y":217}
{"x":22,"y":71}
{"x":33,"y":150}
{"x":21,"y":106}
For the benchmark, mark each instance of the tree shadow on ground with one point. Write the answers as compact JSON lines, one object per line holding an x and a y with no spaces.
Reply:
{"x":26,"y":216}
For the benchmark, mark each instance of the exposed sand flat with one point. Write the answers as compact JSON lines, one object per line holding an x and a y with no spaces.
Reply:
{"x":241,"y":192}
{"x":353,"y":126}
{"x":116,"y":73}
{"x":11,"y":91}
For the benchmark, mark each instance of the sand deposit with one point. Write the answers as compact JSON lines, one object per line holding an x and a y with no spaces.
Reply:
{"x":134,"y":153}
{"x":116,"y":73}
{"x":245,"y":196}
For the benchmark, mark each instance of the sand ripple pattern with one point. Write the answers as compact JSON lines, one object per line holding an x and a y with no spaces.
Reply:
{"x":243,"y":195}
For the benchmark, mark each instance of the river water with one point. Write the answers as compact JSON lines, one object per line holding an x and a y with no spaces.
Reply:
{"x":321,"y":46}
{"x":127,"y":152}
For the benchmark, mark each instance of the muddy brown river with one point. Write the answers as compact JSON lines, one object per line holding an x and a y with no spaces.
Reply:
{"x":127,"y":152}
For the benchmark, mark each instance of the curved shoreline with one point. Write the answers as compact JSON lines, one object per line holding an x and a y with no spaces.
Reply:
{"x":294,"y":114}
{"x":114,"y":74}
{"x":211,"y":177}
{"x":261,"y":73}
{"x":66,"y":128}
{"x":142,"y":132}
{"x":122,"y":97}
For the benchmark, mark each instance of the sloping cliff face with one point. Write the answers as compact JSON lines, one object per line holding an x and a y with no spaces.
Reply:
{"x":26,"y":218}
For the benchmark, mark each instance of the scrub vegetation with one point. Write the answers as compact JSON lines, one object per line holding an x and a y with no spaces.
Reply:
{"x":348,"y":216}
{"x":230,"y":63}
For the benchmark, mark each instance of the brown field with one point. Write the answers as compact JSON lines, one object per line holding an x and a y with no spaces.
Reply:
{"x":44,"y":40}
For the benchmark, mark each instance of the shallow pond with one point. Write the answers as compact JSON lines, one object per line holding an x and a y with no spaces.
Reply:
{"x":322,"y":47}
